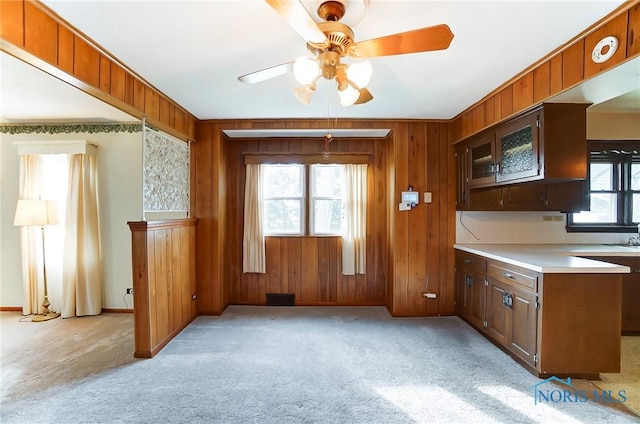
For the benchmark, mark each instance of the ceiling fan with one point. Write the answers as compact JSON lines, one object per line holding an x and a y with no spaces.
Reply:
{"x":331,"y":40}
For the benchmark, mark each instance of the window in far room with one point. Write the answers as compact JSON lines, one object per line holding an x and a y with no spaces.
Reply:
{"x":614,"y":189}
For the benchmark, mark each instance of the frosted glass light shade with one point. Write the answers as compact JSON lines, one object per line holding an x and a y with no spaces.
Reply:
{"x":305,"y":70}
{"x":36,"y":213}
{"x":360,"y":73}
{"x":348,"y":96}
{"x":304,"y":93}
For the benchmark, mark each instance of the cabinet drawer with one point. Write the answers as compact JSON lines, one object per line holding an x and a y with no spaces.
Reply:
{"x":471,"y":261}
{"x":513,"y":274}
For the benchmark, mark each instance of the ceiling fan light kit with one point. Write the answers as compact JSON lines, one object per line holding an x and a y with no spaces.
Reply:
{"x":331,"y":40}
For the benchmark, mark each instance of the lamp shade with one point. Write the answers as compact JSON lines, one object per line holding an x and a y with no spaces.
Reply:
{"x":360,"y":73}
{"x":348,"y":96}
{"x":36,"y":212}
{"x":305,"y":70}
{"x":304,"y":93}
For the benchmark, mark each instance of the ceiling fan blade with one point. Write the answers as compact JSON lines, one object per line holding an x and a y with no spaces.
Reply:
{"x":436,"y":37}
{"x":268,"y":73}
{"x":365,"y":96}
{"x":299,"y":19}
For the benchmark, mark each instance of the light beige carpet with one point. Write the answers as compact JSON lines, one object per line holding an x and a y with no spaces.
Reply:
{"x":273,"y":365}
{"x":629,"y":377}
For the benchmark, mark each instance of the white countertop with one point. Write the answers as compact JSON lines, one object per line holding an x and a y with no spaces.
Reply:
{"x":554,"y":258}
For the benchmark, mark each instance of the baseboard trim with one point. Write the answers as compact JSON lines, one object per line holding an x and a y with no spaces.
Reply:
{"x":116,"y":311}
{"x":10,"y":309}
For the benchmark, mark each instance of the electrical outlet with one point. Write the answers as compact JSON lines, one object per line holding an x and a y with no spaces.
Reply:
{"x":130,"y":290}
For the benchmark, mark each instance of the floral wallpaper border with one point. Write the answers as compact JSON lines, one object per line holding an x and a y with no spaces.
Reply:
{"x":69,"y":128}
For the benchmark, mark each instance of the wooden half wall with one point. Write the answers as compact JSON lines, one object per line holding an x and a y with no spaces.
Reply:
{"x":164,"y":281}
{"x":405,"y":252}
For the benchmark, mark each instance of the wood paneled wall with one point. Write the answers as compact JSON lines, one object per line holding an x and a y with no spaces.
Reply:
{"x":561,"y":70}
{"x":164,"y":281}
{"x":35,"y":34}
{"x":406,"y":249}
{"x":210,"y":207}
{"x":309,"y":267}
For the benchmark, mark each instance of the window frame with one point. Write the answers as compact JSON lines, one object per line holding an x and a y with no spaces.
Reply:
{"x":301,"y":199}
{"x":312,"y":199}
{"x":621,"y":154}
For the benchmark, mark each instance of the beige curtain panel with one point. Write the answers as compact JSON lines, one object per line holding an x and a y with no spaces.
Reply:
{"x":82,"y":268}
{"x":354,"y":237}
{"x":253,"y":243}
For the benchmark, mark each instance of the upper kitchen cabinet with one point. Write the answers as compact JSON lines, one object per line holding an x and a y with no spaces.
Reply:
{"x":546,"y":143}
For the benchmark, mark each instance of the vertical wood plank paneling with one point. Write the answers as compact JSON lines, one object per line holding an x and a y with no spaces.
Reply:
{"x":153,"y":287}
{"x":65,"y":49}
{"x":105,"y":74}
{"x":478,"y":118}
{"x":164,"y":110}
{"x":273,"y":280}
{"x":178,"y":278}
{"x":523,"y":93}
{"x":433,"y":220}
{"x":162,"y":283}
{"x":152,"y":104}
{"x":203,"y":162}
{"x":633,"y":31}
{"x":129,"y":87}
{"x":490,"y":111}
{"x":310,"y":292}
{"x":573,"y":64}
{"x":163,"y":280}
{"x":295,"y":268}
{"x":417,"y":253}
{"x":117,"y":81}
{"x":138,"y":95}
{"x":400,"y":245}
{"x":86,"y":63}
{"x":446,"y":286}
{"x":12,"y":21}
{"x":323,"y":259}
{"x":40,"y":33}
{"x":506,"y":102}
{"x":541,"y":81}
{"x":555,"y":75}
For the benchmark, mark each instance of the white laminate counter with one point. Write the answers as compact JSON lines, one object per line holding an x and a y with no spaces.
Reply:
{"x":554,"y":258}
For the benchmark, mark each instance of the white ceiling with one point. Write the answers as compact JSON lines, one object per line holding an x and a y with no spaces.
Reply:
{"x":193,"y":51}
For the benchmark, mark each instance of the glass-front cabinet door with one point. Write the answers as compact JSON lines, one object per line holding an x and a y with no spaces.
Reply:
{"x":517,"y":149}
{"x":481,"y":161}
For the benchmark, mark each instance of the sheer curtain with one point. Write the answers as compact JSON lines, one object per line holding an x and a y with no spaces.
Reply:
{"x":354,"y":237}
{"x":41,"y":177}
{"x":253,"y":244}
{"x":31,"y":239}
{"x":82,"y":268}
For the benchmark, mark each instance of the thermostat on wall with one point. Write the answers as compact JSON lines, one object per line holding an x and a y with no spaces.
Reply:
{"x":411,"y":197}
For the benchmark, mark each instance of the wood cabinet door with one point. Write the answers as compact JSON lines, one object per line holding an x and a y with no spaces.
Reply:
{"x":524,"y":197}
{"x":462,"y":186}
{"x":517,"y":149}
{"x":477,"y":309}
{"x":524,"y":324}
{"x":569,"y":196}
{"x":481,"y":160}
{"x":462,"y":301}
{"x":498,"y":315}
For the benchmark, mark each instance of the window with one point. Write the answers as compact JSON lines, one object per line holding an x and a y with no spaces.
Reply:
{"x":287,"y":197}
{"x":614,"y":193}
{"x":326,"y":199}
{"x":283,"y":188}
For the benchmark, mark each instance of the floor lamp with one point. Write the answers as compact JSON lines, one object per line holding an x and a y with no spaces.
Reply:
{"x":39,"y":213}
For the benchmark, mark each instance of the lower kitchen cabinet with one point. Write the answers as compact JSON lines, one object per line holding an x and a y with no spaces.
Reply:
{"x":630,"y":292}
{"x":552,"y":324}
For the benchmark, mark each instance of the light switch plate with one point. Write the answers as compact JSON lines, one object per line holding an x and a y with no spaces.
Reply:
{"x":427,"y":197}
{"x":404,"y":206}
